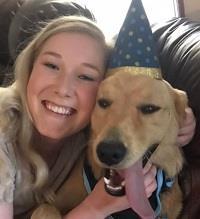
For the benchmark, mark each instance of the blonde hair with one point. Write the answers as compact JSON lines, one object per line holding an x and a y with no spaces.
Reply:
{"x":23,"y":68}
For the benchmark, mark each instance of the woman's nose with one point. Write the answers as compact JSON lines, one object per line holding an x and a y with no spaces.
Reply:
{"x":65,"y":86}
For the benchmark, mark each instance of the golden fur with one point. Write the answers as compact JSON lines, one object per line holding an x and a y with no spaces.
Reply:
{"x":123,"y":119}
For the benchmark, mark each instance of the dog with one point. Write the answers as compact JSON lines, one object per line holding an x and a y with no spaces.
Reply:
{"x":135,"y":118}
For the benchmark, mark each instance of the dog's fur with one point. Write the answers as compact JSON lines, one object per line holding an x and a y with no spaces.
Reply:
{"x":123,"y":112}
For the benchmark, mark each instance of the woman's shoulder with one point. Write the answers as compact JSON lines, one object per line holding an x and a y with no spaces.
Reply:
{"x":10,"y":107}
{"x":8,"y":127}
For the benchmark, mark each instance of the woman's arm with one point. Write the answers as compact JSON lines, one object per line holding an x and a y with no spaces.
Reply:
{"x":6,"y":210}
{"x":99,"y":204}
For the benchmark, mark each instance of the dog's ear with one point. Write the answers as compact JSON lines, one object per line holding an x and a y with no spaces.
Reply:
{"x":181,"y":102}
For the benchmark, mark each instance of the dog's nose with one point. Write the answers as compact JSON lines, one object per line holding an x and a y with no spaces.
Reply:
{"x":111,"y":152}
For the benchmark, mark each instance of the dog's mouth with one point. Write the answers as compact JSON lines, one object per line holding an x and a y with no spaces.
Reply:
{"x":114,"y":179}
{"x":131,"y":182}
{"x":114,"y":183}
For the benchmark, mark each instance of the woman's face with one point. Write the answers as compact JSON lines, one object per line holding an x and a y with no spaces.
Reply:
{"x":62,"y":87}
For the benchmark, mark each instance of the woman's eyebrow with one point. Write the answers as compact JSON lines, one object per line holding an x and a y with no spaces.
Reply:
{"x":86,"y":64}
{"x":52,"y":54}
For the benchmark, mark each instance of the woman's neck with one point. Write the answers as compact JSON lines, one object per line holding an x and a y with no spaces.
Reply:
{"x":48,"y":148}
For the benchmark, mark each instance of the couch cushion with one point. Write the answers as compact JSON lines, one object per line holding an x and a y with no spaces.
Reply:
{"x":178,"y":42}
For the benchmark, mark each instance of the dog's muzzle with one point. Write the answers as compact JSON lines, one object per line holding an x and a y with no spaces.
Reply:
{"x":111,"y":153}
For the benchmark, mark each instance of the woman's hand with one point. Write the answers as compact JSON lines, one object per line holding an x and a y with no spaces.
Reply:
{"x":150,"y":182}
{"x":99,"y":204}
{"x":104,"y":204}
{"x":112,"y":204}
{"x":187,"y":129}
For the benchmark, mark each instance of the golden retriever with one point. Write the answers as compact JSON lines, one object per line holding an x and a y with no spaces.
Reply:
{"x":135,"y":117}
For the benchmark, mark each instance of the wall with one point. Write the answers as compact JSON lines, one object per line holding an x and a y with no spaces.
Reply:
{"x":192,"y":9}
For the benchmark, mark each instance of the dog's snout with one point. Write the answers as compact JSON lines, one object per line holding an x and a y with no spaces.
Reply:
{"x":111,"y":152}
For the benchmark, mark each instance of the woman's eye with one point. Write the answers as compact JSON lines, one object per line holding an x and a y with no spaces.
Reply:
{"x":86,"y":77}
{"x":52,"y":66}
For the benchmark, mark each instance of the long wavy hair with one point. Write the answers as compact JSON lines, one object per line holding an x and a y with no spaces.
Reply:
{"x":23,"y":67}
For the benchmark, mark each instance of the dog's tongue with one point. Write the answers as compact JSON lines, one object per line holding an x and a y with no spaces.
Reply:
{"x":135,"y":190}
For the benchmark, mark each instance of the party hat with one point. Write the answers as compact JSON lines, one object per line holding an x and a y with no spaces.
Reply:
{"x":135,"y":47}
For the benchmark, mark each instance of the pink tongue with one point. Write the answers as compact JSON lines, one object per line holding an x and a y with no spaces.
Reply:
{"x":134,"y":181}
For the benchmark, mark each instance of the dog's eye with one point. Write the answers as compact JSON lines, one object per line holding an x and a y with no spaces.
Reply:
{"x":104,"y":103}
{"x":148,"y":109}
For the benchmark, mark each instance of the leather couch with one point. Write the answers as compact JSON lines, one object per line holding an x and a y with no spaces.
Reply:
{"x":178,"y":42}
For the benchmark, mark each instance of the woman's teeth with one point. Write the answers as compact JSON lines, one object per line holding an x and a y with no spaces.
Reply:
{"x":59,"y":109}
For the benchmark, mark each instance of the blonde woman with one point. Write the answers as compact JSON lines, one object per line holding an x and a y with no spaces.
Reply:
{"x":44,"y":116}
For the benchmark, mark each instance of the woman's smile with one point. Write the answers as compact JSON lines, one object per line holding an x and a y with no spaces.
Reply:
{"x":61,"y":110}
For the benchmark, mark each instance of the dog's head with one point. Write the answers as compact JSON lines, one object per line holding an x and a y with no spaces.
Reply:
{"x":136,"y":118}
{"x":134,"y":115}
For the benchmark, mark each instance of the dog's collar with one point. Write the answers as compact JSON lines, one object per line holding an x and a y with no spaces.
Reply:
{"x":149,"y":152}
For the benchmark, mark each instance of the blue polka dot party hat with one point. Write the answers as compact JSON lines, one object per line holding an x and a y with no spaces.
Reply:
{"x":135,"y":47}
